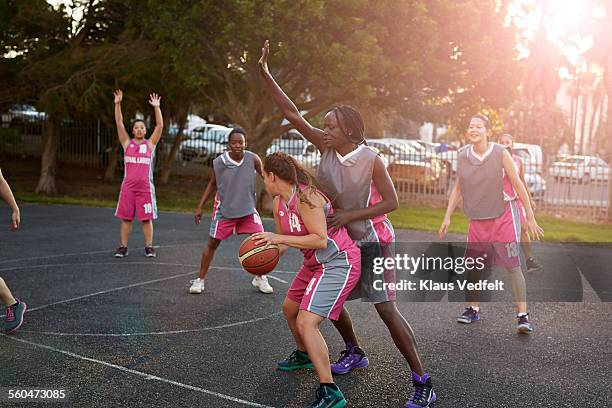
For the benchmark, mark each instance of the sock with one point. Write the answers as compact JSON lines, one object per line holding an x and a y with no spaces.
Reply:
{"x":421,"y":379}
{"x":522,"y":314}
{"x":303,"y":352}
{"x":348,"y":345}
{"x":330,"y":385}
{"x":476,"y":308}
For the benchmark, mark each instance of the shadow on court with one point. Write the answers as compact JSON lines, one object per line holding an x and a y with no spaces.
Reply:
{"x":126,"y":332}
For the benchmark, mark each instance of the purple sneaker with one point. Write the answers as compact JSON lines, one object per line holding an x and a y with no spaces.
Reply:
{"x":350,"y":359}
{"x":469,"y":315}
{"x":424,"y":395}
{"x":524,"y":327}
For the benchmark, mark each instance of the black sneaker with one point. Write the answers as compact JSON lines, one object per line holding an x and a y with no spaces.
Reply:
{"x":532,"y":265}
{"x":121,"y":252}
{"x":327,"y":397}
{"x":150,"y":252}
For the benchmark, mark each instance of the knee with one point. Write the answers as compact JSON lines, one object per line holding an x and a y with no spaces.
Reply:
{"x":303,"y":324}
{"x":213,"y":244}
{"x":386,"y":310}
{"x":289,"y":310}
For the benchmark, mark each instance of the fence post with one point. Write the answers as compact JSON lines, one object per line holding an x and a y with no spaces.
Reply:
{"x":610,"y":193}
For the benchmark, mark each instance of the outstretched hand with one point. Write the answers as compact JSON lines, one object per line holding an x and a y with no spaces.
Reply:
{"x":118,"y":95}
{"x":154,"y":100}
{"x":263,"y":61}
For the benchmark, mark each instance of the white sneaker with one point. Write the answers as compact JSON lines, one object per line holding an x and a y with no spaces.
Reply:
{"x":197,"y":286}
{"x":261,"y":283}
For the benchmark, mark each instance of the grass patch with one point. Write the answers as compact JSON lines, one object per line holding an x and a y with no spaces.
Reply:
{"x":406,"y":217}
{"x":555,"y":229}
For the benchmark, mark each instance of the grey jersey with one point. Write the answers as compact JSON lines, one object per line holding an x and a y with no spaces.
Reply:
{"x":481,"y":182}
{"x":347,"y":182}
{"x":235,"y":185}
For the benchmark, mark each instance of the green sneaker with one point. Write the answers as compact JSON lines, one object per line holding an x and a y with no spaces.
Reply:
{"x":297,"y":359}
{"x":328,"y":398}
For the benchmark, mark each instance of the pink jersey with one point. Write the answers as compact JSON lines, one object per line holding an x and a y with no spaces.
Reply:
{"x":292,"y":224}
{"x":509,"y":193}
{"x":138,"y":174}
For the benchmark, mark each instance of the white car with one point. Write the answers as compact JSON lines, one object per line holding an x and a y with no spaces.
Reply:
{"x":205,"y":143}
{"x":581,"y":168}
{"x":295,"y":145}
{"x":447,"y":153}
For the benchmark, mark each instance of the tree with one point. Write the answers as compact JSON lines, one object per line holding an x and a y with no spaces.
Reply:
{"x":395,"y":57}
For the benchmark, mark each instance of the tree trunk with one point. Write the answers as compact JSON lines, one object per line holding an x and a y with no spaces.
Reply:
{"x":48,"y":168}
{"x":171,"y":157}
{"x":109,"y":174}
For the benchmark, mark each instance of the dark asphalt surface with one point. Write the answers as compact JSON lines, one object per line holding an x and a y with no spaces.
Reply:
{"x":136,"y":338}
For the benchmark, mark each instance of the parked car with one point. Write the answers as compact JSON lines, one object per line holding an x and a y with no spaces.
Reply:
{"x":581,"y":168}
{"x":536,"y":185}
{"x":409,"y":164}
{"x":448,"y":154}
{"x":294,"y":144}
{"x":536,"y":157}
{"x":205,"y":143}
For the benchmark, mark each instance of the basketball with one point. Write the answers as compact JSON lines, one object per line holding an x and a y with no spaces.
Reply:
{"x":257,"y":259}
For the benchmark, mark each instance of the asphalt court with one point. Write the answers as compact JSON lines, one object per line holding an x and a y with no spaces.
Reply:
{"x":126,"y":332}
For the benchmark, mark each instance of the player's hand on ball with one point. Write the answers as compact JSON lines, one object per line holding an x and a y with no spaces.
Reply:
{"x":154,"y":100}
{"x":198,"y":216}
{"x":266,"y":238}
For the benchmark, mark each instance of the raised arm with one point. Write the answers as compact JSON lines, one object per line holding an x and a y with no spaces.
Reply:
{"x":154,"y":100}
{"x":291,"y":112}
{"x":124,"y":138}
{"x":7,"y":195}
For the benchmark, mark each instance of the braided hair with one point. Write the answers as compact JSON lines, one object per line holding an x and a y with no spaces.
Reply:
{"x":287,"y":168}
{"x":352,"y":123}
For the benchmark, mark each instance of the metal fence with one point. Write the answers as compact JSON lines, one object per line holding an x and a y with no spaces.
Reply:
{"x":576,"y":187}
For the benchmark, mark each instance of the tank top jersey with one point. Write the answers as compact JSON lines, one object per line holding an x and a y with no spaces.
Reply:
{"x":292,"y":224}
{"x":235,"y":196}
{"x":509,"y":192}
{"x":481,"y":181}
{"x":348,"y":181}
{"x":138,"y":169}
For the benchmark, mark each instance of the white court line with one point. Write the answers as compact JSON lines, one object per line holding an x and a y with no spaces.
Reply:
{"x":277,"y":279}
{"x":138,"y":373}
{"x":127,"y":286}
{"x":162,"y":333}
{"x":116,"y":263}
{"x":108,"y":251}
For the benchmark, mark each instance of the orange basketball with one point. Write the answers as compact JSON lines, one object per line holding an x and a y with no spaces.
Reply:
{"x":257,"y":259}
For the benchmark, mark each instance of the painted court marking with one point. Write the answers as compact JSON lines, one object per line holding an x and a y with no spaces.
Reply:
{"x":138,"y":373}
{"x":161,"y":333}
